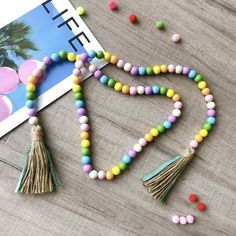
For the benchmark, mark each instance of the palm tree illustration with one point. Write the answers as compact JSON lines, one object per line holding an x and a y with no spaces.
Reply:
{"x":15,"y":42}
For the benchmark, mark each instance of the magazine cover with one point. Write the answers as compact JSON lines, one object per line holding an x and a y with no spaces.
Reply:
{"x":35,"y":29}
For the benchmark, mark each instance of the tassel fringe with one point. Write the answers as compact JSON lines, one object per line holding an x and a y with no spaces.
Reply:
{"x":162,"y":180}
{"x":38,"y":174}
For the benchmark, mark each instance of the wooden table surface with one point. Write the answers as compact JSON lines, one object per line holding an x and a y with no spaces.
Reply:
{"x":122,"y":206}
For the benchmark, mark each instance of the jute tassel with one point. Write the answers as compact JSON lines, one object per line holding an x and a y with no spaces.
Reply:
{"x":38,"y":174}
{"x":161,"y":181}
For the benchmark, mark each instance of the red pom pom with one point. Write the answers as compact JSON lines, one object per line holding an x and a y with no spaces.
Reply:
{"x":193,"y":198}
{"x":133,"y":18}
{"x":201,"y":206}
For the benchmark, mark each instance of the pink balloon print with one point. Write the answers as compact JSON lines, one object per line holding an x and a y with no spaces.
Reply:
{"x":5,"y":107}
{"x":26,"y":69}
{"x":8,"y":80}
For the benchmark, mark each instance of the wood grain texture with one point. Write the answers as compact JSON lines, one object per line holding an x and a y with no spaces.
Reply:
{"x":122,"y":207}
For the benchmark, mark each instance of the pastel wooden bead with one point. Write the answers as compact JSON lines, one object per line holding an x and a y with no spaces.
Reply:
{"x":84,"y":135}
{"x":115,"y":170}
{"x":127,"y":67}
{"x":154,"y":132}
{"x":198,"y":138}
{"x":178,"y":69}
{"x":92,"y":68}
{"x":93,"y":174}
{"x":85,"y":143}
{"x":118,"y":87}
{"x":140,"y":90}
{"x":32,"y":79}
{"x":120,"y":64}
{"x":176,"y":112}
{"x":76,"y":88}
{"x":101,"y":174}
{"x":206,"y":91}
{"x":114,"y":59}
{"x":107,"y":56}
{"x":170,"y":93}
{"x":80,"y":10}
{"x":203,"y":133}
{"x":142,"y":142}
{"x":76,"y":80}
{"x":137,"y":147}
{"x":109,"y":175}
{"x":41,"y":66}
{"x":125,"y":89}
{"x":201,"y":85}
{"x":211,"y":105}
{"x":71,"y":56}
{"x":182,"y":220}
{"x":83,"y":120}
{"x":33,"y":120}
{"x":190,"y":219}
{"x":175,"y":38}
{"x":209,"y":98}
{"x":79,"y":64}
{"x":30,"y":87}
{"x":178,"y":105}
{"x":171,"y":68}
{"x":176,"y":97}
{"x":148,"y":137}
{"x":133,"y":90}
{"x":164,"y":68}
{"x":156,"y":69}
{"x":193,"y":143}
{"x":175,"y":219}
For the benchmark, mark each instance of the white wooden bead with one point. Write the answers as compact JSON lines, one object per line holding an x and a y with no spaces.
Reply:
{"x":127,"y":67}
{"x":83,"y":120}
{"x":178,"y":69}
{"x":176,"y":112}
{"x":137,"y":147}
{"x":93,"y":174}
{"x":140,"y":90}
{"x":79,"y":64}
{"x":211,"y":105}
{"x":41,"y":66}
{"x":92,"y":68}
{"x":33,"y":120}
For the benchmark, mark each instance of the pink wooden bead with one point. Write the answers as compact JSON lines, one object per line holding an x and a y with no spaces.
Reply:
{"x":84,"y":127}
{"x":142,"y":142}
{"x":175,"y":219}
{"x":76,"y":72}
{"x":209,"y":98}
{"x":132,"y":90}
{"x":190,"y":219}
{"x":37,"y":72}
{"x":171,"y":68}
{"x":120,"y":64}
{"x":101,"y":174}
{"x":193,"y":144}
{"x":178,"y":105}
{"x":175,"y":38}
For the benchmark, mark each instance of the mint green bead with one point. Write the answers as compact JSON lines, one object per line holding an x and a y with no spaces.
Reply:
{"x":122,"y":165}
{"x":163,"y":90}
{"x":78,"y":96}
{"x":85,"y":152}
{"x":63,"y":54}
{"x":149,"y":70}
{"x":198,"y":78}
{"x":207,"y":126}
{"x":111,"y":83}
{"x":30,"y":96}
{"x":99,"y":54}
{"x":161,"y":129}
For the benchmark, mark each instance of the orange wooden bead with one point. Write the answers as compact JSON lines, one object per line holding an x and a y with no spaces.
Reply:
{"x":125,"y":89}
{"x":32,"y":79}
{"x":164,"y":68}
{"x":206,"y":91}
{"x":176,"y":97}
{"x":84,"y":135}
{"x":114,"y":59}
{"x":76,"y":80}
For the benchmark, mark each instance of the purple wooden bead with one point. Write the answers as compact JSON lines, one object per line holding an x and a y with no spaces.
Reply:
{"x":185,"y":70}
{"x":84,"y":57}
{"x":87,"y":168}
{"x":171,"y":118}
{"x":47,"y":60}
{"x":134,"y":70}
{"x":132,"y":153}
{"x":81,"y":111}
{"x":32,"y":112}
{"x":211,"y":112}
{"x":148,"y":90}
{"x":98,"y":74}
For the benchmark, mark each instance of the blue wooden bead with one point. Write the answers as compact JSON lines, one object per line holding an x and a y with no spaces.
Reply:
{"x":126,"y":159}
{"x":55,"y":57}
{"x":85,"y":160}
{"x":192,"y":74}
{"x":211,"y":120}
{"x":91,"y":53}
{"x":155,"y":89}
{"x":104,"y":79}
{"x":79,"y":104}
{"x":30,"y":103}
{"x":141,"y":70}
{"x":167,"y":124}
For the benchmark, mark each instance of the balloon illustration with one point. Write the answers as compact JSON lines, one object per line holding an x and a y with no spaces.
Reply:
{"x":8,"y":80}
{"x":5,"y":107}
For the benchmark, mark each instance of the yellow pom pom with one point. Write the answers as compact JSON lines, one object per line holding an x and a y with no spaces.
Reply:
{"x":203,"y":133}
{"x":76,"y":80}
{"x":76,"y":88}
{"x":201,"y":85}
{"x":84,"y":135}
{"x":71,"y":56}
{"x":205,"y":91}
{"x":85,"y":143}
{"x":148,"y":137}
{"x":156,"y":69}
{"x":164,"y":68}
{"x":107,"y":56}
{"x":109,"y":175}
{"x":154,"y":132}
{"x":30,"y":88}
{"x":114,"y":59}
{"x":125,"y":89}
{"x":176,"y":97}
{"x":170,"y":93}
{"x":115,"y":170}
{"x":198,"y":138}
{"x":118,"y":87}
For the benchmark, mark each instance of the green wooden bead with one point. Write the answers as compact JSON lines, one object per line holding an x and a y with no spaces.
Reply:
{"x":149,"y":71}
{"x":198,"y":78}
{"x":85,"y":152}
{"x":63,"y":54}
{"x":207,"y":126}
{"x":30,"y":95}
{"x":161,"y":129}
{"x":160,"y":24}
{"x":122,"y":165}
{"x":111,"y":83}
{"x":163,"y":90}
{"x":99,"y":54}
{"x":78,"y":96}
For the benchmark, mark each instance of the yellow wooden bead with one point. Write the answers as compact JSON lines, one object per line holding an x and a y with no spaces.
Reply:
{"x":125,"y":89}
{"x":109,"y":175}
{"x":148,"y":137}
{"x":164,"y":68}
{"x":170,"y":93}
{"x":154,"y":132}
{"x":30,"y":88}
{"x":76,"y":88}
{"x":118,"y":87}
{"x":76,"y":80}
{"x":156,"y":69}
{"x":114,"y":59}
{"x":71,"y":56}
{"x":85,"y":143}
{"x":32,"y":79}
{"x":107,"y":56}
{"x":203,"y":133}
{"x":206,"y":91}
{"x":84,"y":135}
{"x":198,"y":138}
{"x":115,"y":170}
{"x":201,"y":85}
{"x":176,"y":97}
